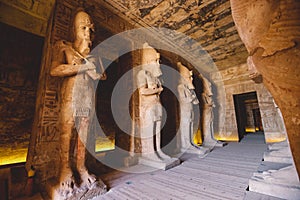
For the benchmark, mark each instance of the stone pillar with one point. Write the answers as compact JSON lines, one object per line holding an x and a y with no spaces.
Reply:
{"x":273,"y":125}
{"x":44,"y":145}
{"x":46,"y":153}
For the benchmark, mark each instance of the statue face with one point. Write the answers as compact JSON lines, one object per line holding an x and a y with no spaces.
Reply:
{"x":189,"y":81}
{"x":153,"y":67}
{"x":83,"y":27}
{"x":186,"y":75}
{"x":150,"y":60}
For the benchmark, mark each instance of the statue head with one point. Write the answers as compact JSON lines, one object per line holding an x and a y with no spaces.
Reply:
{"x":186,"y":75}
{"x":206,"y":86}
{"x":150,"y":60}
{"x":83,"y":28}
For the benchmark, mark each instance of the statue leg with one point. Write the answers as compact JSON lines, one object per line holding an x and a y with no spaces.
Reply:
{"x":66,"y":179}
{"x":184,"y":135}
{"x":206,"y":125}
{"x":208,"y":139}
{"x":86,"y":178}
{"x":157,"y":132}
{"x":178,"y":140}
{"x":191,"y":135}
{"x":147,"y":141}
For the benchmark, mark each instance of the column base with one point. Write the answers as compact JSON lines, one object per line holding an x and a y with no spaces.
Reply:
{"x":201,"y":151}
{"x":214,"y":144}
{"x":282,"y":183}
{"x":130,"y":161}
{"x":280,"y":155}
{"x":164,"y":164}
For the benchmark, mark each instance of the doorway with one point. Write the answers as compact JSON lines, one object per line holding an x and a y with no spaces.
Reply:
{"x":20,"y":58}
{"x":247,"y":112}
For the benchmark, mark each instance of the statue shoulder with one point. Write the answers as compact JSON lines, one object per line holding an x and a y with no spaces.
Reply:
{"x":59,"y":49}
{"x":62,"y":45}
{"x":142,"y":73}
{"x":141,"y":78}
{"x":181,"y":86}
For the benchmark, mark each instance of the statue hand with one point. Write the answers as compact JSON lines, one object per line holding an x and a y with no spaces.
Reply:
{"x":88,"y":65}
{"x":103,"y":76}
{"x":195,"y":101}
{"x":160,"y":89}
{"x":91,"y":66}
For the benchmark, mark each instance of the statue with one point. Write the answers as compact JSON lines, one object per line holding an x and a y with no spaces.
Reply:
{"x":187,"y":98}
{"x":275,"y":52}
{"x":150,"y":109}
{"x":208,"y":116}
{"x":72,"y":62}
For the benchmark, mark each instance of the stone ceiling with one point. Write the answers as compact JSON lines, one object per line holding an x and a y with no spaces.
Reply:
{"x":209,"y":22}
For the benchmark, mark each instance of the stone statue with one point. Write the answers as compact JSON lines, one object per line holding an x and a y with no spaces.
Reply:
{"x":150,"y":109}
{"x":72,"y":62}
{"x":254,"y":74}
{"x":208,"y":116}
{"x":271,"y":40}
{"x":187,"y":98}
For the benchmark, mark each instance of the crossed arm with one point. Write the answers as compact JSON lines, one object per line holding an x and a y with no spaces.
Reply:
{"x":64,"y":65}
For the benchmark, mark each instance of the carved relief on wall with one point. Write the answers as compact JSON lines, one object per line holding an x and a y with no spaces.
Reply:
{"x":49,"y":117}
{"x":49,"y":130}
{"x":62,"y":22}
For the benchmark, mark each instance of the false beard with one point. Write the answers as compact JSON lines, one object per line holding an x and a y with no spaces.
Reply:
{"x":84,"y":47}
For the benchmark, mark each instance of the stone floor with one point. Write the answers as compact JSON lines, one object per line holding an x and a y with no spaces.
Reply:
{"x":222,"y":174}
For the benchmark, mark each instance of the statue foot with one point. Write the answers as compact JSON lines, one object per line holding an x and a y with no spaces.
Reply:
{"x":90,"y":186}
{"x":152,"y":156}
{"x":162,"y":155}
{"x":67,"y":184}
{"x":88,"y":180}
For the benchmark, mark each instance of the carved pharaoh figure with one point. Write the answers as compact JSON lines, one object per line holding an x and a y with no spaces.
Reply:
{"x":150,"y":109}
{"x":272,"y":42}
{"x":208,"y":116}
{"x":187,"y":98}
{"x":71,"y":62}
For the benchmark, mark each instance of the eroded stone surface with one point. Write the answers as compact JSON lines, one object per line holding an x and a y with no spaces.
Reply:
{"x":271,"y":41}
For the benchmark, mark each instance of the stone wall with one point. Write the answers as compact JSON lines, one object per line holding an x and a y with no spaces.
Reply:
{"x":235,"y":80}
